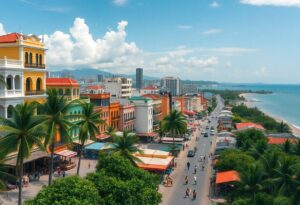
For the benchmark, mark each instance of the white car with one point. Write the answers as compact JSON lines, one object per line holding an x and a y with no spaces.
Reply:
{"x":212,"y":132}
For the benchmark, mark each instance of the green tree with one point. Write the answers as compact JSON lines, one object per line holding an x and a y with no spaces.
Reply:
{"x":21,"y":133}
{"x":175,"y":123}
{"x":71,"y":190}
{"x":287,"y":147}
{"x":56,"y":121}
{"x":160,"y":131}
{"x":111,"y":131}
{"x":248,"y":138}
{"x":4,"y":175}
{"x":296,"y":149}
{"x":283,"y":127}
{"x":125,"y":146}
{"x":88,"y":126}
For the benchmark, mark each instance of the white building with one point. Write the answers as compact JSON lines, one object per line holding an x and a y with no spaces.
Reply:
{"x":172,"y":84}
{"x":118,"y":87}
{"x":143,"y":114}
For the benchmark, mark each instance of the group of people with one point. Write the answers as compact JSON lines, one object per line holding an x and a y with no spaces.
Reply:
{"x":189,"y":193}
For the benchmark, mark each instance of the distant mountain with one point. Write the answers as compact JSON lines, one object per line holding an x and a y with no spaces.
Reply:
{"x":92,"y":73}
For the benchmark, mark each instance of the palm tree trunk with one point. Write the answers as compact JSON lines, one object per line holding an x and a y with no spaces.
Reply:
{"x":173,"y":148}
{"x":51,"y":163}
{"x":20,"y":181}
{"x":79,"y":159}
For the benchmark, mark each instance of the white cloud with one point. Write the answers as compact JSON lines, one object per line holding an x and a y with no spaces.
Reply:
{"x":79,"y":48}
{"x":120,"y":2}
{"x":185,"y":27}
{"x":288,"y":3}
{"x":214,"y":5}
{"x":212,"y":31}
{"x":2,"y":31}
{"x":232,"y":50}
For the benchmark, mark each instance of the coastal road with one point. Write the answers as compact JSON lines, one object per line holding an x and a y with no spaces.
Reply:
{"x":176,"y":193}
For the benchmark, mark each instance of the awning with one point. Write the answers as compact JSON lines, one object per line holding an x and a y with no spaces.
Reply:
{"x":66,"y":153}
{"x":95,"y":146}
{"x":155,"y":163}
{"x":38,"y":154}
{"x":151,"y":134}
{"x":227,"y":176}
{"x":170,"y":139}
{"x":189,"y":112}
{"x":88,"y":142}
{"x":102,"y":136}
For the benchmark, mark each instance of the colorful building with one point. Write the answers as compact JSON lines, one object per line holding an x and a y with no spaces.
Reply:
{"x":114,"y":115}
{"x":22,"y":65}
{"x":127,"y":117}
{"x":157,"y":109}
{"x":165,"y":105}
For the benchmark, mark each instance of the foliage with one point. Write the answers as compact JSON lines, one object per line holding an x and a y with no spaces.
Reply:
{"x":248,"y":138}
{"x":71,"y":190}
{"x":21,"y":133}
{"x":119,"y":182}
{"x":5,"y":176}
{"x":233,"y":159}
{"x":257,"y":116}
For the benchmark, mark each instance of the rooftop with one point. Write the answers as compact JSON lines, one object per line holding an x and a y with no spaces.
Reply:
{"x":245,"y":125}
{"x":150,"y":88}
{"x":139,"y":98}
{"x":152,"y":96}
{"x":11,"y":37}
{"x":227,"y":176}
{"x":62,"y":82}
{"x":281,"y":140}
{"x":95,"y":87}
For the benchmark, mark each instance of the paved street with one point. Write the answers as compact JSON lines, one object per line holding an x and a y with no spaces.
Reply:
{"x":175,"y":195}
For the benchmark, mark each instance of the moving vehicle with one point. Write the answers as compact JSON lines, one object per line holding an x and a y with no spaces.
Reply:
{"x":191,"y":153}
{"x":205,"y":134}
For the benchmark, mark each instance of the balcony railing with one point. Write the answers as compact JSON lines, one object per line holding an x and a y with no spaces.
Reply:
{"x":8,"y":93}
{"x":130,"y":119}
{"x":35,"y":92}
{"x":34,"y":65}
{"x":10,"y":63}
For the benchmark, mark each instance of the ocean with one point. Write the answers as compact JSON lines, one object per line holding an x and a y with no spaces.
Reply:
{"x":283,"y":103}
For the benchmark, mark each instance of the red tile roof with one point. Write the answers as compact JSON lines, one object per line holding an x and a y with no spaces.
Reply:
{"x":95,"y":87}
{"x":11,"y":37}
{"x":61,"y":82}
{"x":280,"y":140}
{"x":227,"y":176}
{"x":246,"y":125}
{"x":152,"y":96}
{"x":150,"y":88}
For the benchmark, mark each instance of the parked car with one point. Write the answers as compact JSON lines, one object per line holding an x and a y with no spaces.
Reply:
{"x":212,"y":132}
{"x":191,"y":153}
{"x":205,"y":134}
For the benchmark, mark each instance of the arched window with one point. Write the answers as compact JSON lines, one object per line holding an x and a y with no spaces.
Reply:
{"x":28,"y":84}
{"x":36,"y":59}
{"x":10,"y":111}
{"x":30,"y":58}
{"x":39,"y":84}
{"x":74,"y":91}
{"x":2,"y":109}
{"x":17,"y":82}
{"x":9,"y":82}
{"x":68,"y":92}
{"x":60,"y":91}
{"x":26,"y":58}
{"x":41,"y":59}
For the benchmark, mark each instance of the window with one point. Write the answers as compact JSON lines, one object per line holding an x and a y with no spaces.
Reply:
{"x":28,"y":84}
{"x":41,"y":59}
{"x":74,"y":91}
{"x":68,"y":92}
{"x":26,"y":58}
{"x":9,"y":82}
{"x":36,"y":59}
{"x":30,"y":58}
{"x":60,"y":91}
{"x":39,"y":84}
{"x":10,"y":111}
{"x":17,"y":82}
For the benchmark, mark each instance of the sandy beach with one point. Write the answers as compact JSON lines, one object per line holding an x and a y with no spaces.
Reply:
{"x":248,"y":103}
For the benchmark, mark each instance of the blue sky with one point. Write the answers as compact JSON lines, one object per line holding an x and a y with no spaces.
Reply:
{"x":222,"y":40}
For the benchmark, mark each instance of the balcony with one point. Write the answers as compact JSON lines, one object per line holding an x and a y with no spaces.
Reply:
{"x":34,"y":92}
{"x":34,"y":65}
{"x":130,"y":119}
{"x":156,"y":112}
{"x":11,"y":93}
{"x":10,"y":63}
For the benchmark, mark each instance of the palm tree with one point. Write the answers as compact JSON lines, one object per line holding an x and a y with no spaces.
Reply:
{"x":287,"y":147}
{"x":125,"y":146}
{"x":251,"y":181}
{"x":175,"y":123}
{"x":4,"y":175}
{"x":22,"y":133}
{"x":57,"y":122}
{"x":161,"y":131}
{"x":296,"y":150}
{"x":88,"y":126}
{"x":283,"y":127}
{"x":111,"y":131}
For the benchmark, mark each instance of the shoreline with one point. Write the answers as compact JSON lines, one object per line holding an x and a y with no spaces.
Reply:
{"x":295,"y":130}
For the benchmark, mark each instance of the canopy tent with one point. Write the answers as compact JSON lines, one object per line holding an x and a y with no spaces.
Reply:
{"x":66,"y":153}
{"x":154,"y":163}
{"x":88,"y":142}
{"x":227,"y":176}
{"x":151,"y":134}
{"x":95,"y":146}
{"x":170,"y":139}
{"x":35,"y":155}
{"x":153,"y":153}
{"x":189,"y":112}
{"x":102,"y":136}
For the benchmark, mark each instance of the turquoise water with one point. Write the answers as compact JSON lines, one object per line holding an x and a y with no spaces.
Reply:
{"x":283,"y":103}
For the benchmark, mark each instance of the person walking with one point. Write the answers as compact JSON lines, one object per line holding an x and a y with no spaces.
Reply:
{"x":188,"y":165}
{"x":186,"y":179}
{"x":187,"y":192}
{"x":203,"y":167}
{"x":195,"y":179}
{"x":195,"y":169}
{"x":194,"y":194}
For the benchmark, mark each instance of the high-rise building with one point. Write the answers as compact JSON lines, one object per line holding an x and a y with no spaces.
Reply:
{"x":172,"y":84}
{"x":118,"y":87}
{"x":99,"y":78}
{"x":139,"y":78}
{"x":22,"y":66}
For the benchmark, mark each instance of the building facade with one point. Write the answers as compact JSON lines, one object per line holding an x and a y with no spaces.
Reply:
{"x":157,"y":109}
{"x":118,"y":87}
{"x":139,"y":78}
{"x":172,"y":84}
{"x":22,"y":66}
{"x":127,"y":117}
{"x":144,"y":115}
{"x":114,"y":115}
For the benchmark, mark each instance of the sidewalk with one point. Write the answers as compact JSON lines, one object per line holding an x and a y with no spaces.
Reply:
{"x":11,"y":197}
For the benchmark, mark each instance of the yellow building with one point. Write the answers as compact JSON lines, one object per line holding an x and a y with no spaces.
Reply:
{"x":22,"y":65}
